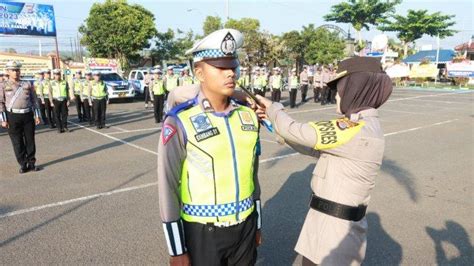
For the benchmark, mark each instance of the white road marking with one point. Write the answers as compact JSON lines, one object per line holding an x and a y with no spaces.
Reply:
{"x":103,"y":194}
{"x":119,"y":128}
{"x":114,"y":138}
{"x":135,"y":130}
{"x":61,"y":203}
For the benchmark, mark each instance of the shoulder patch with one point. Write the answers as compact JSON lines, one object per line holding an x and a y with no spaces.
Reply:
{"x":180,"y":107}
{"x":168,"y":132}
{"x":334,"y":133}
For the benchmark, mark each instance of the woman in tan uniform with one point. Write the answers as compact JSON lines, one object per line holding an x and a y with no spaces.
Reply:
{"x":349,"y":152}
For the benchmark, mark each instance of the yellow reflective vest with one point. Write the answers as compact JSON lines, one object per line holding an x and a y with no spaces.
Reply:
{"x":59,"y":89}
{"x":78,"y":85}
{"x":45,"y":87}
{"x":99,"y":90}
{"x":217,"y":175}
{"x":157,"y":87}
{"x":187,"y":80}
{"x":171,"y":82}
{"x":276,"y":82}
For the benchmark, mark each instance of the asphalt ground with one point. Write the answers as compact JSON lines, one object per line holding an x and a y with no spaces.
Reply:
{"x":96,"y":200}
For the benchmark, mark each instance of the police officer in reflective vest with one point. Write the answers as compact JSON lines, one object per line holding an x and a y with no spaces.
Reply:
{"x":77,"y":87}
{"x":157,"y":92}
{"x":244,"y":79}
{"x":19,"y":113}
{"x":47,"y":105}
{"x":207,"y":165}
{"x":186,"y":79}
{"x":86,"y":98}
{"x":99,"y":99}
{"x":293,"y":84}
{"x":276,"y":84}
{"x":38,"y":85}
{"x":170,"y":80}
{"x":59,"y":92}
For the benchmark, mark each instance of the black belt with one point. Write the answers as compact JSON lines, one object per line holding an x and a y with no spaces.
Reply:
{"x":338,"y":210}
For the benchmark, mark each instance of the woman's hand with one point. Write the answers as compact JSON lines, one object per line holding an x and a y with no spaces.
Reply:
{"x":263,"y":101}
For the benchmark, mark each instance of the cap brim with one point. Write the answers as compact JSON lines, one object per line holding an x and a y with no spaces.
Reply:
{"x":332,"y":83}
{"x":223,"y":62}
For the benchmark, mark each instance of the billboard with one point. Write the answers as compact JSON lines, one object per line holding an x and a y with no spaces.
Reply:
{"x":27,"y":19}
{"x":461,"y":69}
{"x":424,"y":71}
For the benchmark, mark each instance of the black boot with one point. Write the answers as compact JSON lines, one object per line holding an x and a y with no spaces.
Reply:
{"x":23,"y":169}
{"x":32,"y":167}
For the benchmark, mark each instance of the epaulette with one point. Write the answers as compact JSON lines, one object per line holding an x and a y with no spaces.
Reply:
{"x":181,"y":107}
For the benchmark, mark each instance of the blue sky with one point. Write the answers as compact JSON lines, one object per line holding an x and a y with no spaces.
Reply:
{"x":275,"y":17}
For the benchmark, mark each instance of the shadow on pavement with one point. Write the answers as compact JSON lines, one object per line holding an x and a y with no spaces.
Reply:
{"x":456,"y":235}
{"x":382,"y":249}
{"x":40,"y":225}
{"x":403,"y":177}
{"x":98,"y":148}
{"x":6,"y":209}
{"x":283,"y":217}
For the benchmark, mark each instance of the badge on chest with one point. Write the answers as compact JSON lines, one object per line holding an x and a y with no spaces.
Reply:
{"x":247,"y":121}
{"x":203,"y":126}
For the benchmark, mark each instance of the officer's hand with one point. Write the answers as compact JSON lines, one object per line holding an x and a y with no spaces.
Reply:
{"x":261,"y":113}
{"x":264,"y":101}
{"x":5,"y":124}
{"x":182,"y":260}
{"x":259,"y":238}
{"x":37,"y":121}
{"x":67,"y":103}
{"x":42,"y":101}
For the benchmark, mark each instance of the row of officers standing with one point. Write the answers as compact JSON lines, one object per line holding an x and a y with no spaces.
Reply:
{"x":259,"y":82}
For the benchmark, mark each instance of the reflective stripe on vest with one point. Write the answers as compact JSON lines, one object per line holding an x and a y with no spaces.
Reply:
{"x":334,"y":133}
{"x":158,"y":88}
{"x":217,"y":174}
{"x":243,"y":81}
{"x":59,"y":89}
{"x":171,"y":82}
{"x":276,"y":82}
{"x":99,"y":90}
{"x":85,"y":88}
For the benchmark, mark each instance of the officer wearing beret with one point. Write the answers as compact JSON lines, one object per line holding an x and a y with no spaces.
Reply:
{"x":59,"y":93}
{"x":19,"y":113}
{"x":349,"y":151}
{"x":207,"y":165}
{"x":157,"y":93}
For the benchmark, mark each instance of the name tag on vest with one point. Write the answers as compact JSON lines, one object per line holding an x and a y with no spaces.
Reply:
{"x":207,"y":134}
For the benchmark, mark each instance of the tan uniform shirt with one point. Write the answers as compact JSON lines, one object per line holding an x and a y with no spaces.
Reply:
{"x":304,"y":78}
{"x":17,"y":97}
{"x":317,"y":79}
{"x":325,"y":77}
{"x":171,"y":156}
{"x":346,"y":175}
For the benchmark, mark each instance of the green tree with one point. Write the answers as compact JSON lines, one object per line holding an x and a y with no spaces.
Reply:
{"x":256,"y":43}
{"x":324,"y":47}
{"x":172,"y":45}
{"x":417,"y":23}
{"x":116,"y":29}
{"x":361,"y":13}
{"x":211,"y":24}
{"x":294,"y":47}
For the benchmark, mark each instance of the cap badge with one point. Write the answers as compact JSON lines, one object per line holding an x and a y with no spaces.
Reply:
{"x":228,"y":45}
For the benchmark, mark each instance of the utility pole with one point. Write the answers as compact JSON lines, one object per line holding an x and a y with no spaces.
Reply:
{"x":227,"y":10}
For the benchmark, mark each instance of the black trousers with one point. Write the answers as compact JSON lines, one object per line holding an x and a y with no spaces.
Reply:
{"x":99,"y":107}
{"x":79,"y":107}
{"x":293,"y":93}
{"x":324,"y":95}
{"x":158,"y":101}
{"x":316,"y":91}
{"x":87,"y":111}
{"x":60,"y":113}
{"x":304,"y":92}
{"x":22,"y":134}
{"x":147,"y":94}
{"x":332,"y":95}
{"x":209,"y":245}
{"x":276,"y":95}
{"x":49,"y":118}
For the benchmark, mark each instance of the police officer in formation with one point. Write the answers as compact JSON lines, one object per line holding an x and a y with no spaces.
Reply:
{"x":46,"y":105}
{"x":317,"y":84}
{"x":38,"y":86}
{"x":304,"y":82}
{"x":293,"y":85}
{"x":59,"y":93}
{"x":99,"y":99}
{"x":186,"y":79}
{"x":157,"y":93}
{"x":86,"y":98}
{"x":209,"y":217}
{"x":19,"y":113}
{"x":276,"y":84}
{"x":146,"y":91}
{"x":171,"y":80}
{"x":77,"y":86}
{"x":244,"y":79}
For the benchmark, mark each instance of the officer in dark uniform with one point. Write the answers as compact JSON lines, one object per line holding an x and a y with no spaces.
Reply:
{"x":19,"y":113}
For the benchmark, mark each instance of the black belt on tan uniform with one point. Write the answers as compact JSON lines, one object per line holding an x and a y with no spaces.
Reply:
{"x":338,"y":210}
